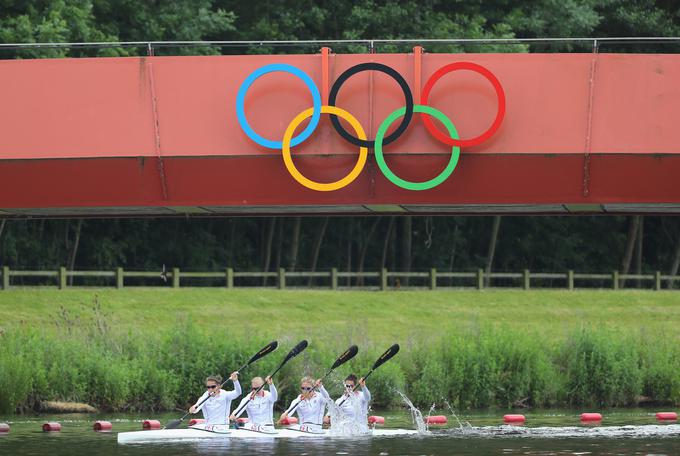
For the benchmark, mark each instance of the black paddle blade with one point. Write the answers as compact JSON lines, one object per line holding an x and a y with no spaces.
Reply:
{"x":173,"y":424}
{"x":267,"y":349}
{"x":350,"y":353}
{"x":299,"y":348}
{"x":393,"y":350}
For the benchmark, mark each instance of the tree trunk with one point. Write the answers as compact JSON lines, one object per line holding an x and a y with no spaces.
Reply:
{"x":492,"y":248}
{"x":452,"y":257}
{"x":364,"y":248}
{"x":350,"y":227}
{"x":268,"y":248}
{"x":676,"y":263}
{"x":630,"y":245}
{"x":638,"y":255}
{"x":406,"y":244}
{"x":317,"y":247}
{"x":386,"y":242}
{"x":74,"y":250}
{"x":294,"y":244}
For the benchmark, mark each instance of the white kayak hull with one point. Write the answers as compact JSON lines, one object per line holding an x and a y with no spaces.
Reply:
{"x":202,"y":434}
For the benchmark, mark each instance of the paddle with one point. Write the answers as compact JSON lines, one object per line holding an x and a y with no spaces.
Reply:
{"x":393,"y":350}
{"x":267,"y":349}
{"x":350,"y":353}
{"x":292,"y":354}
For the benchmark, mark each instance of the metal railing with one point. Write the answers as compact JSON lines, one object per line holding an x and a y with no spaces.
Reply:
{"x":334,"y":279}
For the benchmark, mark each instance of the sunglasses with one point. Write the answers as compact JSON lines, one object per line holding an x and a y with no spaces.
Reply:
{"x":306,"y":388}
{"x":211,"y":386}
{"x":349,"y":386}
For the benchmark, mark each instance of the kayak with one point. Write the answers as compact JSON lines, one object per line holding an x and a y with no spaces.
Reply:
{"x":222,"y":432}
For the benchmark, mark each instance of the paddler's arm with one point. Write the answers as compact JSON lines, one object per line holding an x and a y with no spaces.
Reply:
{"x":365,"y":391}
{"x":236,"y":392}
{"x":232,"y":417}
{"x":195,"y":408}
{"x":322,"y":390}
{"x":273,"y":394}
{"x":293,"y":405}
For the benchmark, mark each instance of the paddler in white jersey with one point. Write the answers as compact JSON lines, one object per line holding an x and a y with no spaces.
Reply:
{"x":310,"y":406}
{"x":355,"y":403}
{"x":216,"y":408}
{"x":260,"y":406}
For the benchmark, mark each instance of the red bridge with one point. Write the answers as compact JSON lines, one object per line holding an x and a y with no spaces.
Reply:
{"x":582,"y":133}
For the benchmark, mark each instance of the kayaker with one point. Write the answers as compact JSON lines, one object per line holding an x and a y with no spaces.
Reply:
{"x":355,"y":403}
{"x":260,"y":406}
{"x":216,"y":408}
{"x":310,"y":406}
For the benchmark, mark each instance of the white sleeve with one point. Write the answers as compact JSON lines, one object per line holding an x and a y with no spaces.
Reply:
{"x":236,"y":392}
{"x":367,"y":394}
{"x":293,"y":404}
{"x":242,"y":406}
{"x":273,"y":394}
{"x":323,"y":392}
{"x":201,"y":399}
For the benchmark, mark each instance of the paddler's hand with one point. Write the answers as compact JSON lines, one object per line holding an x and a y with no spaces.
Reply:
{"x":234,"y":376}
{"x":326,"y":419}
{"x":232,"y":417}
{"x":269,"y":380}
{"x":192,"y":409}
{"x":284,"y":415}
{"x":318,"y":383}
{"x":362,"y":382}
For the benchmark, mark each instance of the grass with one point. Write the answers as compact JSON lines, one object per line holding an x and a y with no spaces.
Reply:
{"x":380,"y":317}
{"x":140,"y":349}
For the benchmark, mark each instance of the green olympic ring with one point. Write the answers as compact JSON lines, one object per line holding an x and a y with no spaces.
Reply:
{"x":398,"y":181}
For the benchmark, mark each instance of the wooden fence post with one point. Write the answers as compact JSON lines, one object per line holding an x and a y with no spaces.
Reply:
{"x":282,"y":278}
{"x":480,"y":279}
{"x":229,"y":275}
{"x":175,"y":277}
{"x":527,"y":279}
{"x":615,"y":280}
{"x":383,"y":279}
{"x":5,"y":277}
{"x":334,"y":278}
{"x":570,"y":280}
{"x":433,"y":279}
{"x":657,"y":280}
{"x":62,"y":278}
{"x":120,"y":278}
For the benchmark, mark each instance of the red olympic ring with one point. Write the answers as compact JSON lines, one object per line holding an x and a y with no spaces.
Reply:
{"x":500,"y":94}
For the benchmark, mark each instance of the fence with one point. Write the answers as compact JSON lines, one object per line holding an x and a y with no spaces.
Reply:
{"x":334,"y":279}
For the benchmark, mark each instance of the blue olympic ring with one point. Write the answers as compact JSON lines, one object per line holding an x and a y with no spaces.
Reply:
{"x":285,"y":68}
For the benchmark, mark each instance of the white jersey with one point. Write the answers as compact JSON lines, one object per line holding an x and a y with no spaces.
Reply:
{"x":350,"y":408}
{"x":260,"y":408}
{"x":311,"y":411}
{"x":216,"y":408}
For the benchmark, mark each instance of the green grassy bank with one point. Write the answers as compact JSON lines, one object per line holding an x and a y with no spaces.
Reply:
{"x":150,"y":349}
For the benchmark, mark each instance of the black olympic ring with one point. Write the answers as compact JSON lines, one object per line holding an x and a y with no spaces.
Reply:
{"x":408,"y":98}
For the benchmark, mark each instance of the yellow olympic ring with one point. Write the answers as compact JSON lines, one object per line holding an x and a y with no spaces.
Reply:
{"x":318,"y":186}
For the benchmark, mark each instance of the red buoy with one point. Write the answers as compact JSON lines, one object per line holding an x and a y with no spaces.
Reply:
{"x":666,"y":416}
{"x":591,"y":417}
{"x":102,"y":426}
{"x":4,"y":427}
{"x":196,"y":421}
{"x":289,"y":420}
{"x":51,"y":427}
{"x":242,"y":420}
{"x":436,"y":419}
{"x":149,"y":425}
{"x":374,"y":419}
{"x":515,"y":419}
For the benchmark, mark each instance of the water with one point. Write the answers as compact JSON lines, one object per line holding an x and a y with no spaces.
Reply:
{"x":553,"y":432}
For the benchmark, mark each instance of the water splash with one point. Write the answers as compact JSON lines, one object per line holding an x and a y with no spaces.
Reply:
{"x":416,"y":415}
{"x":343,"y":425}
{"x":461,"y":425}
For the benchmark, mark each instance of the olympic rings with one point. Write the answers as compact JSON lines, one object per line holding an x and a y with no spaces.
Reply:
{"x":408,"y":98}
{"x":297,"y":175}
{"x":285,"y":68}
{"x":406,"y":113}
{"x":500,"y":94}
{"x":408,"y":185}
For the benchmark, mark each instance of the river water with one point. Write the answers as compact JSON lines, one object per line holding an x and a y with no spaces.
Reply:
{"x":553,"y":432}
